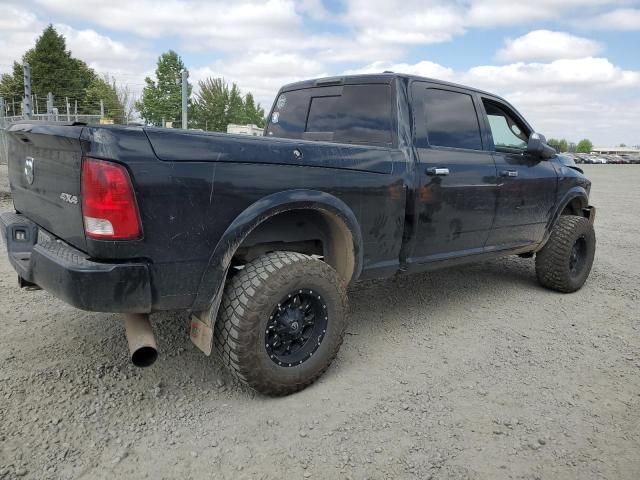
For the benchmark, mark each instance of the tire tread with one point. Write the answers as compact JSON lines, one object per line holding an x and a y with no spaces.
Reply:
{"x":247,"y":294}
{"x":551,"y":262}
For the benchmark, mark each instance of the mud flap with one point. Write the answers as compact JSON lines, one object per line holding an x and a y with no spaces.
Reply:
{"x":201,"y":334}
{"x":590,"y":213}
{"x":202,"y":324}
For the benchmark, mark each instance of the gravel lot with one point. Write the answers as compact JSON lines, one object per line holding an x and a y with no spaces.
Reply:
{"x":475,"y":372}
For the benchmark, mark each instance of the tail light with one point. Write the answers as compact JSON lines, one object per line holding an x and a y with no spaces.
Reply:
{"x":108,"y":202}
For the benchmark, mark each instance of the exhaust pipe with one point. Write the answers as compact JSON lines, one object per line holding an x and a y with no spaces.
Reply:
{"x":142,"y":343}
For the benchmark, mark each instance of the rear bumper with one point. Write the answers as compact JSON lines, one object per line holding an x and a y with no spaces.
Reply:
{"x":70,"y":275}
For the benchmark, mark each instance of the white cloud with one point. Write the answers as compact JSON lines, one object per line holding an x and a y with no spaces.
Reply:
{"x":623,"y":19}
{"x":423,"y":68}
{"x":572,"y":73}
{"x":492,"y":13}
{"x":102,"y":53}
{"x":262,"y":74}
{"x":546,"y":45}
{"x":200,"y":24}
{"x":314,"y":8}
{"x":571,"y":98}
{"x":562,"y":82}
{"x":19,"y":29}
{"x":408,"y":22}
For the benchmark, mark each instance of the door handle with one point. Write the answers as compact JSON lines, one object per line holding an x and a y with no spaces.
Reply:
{"x":438,"y":171}
{"x":509,"y":173}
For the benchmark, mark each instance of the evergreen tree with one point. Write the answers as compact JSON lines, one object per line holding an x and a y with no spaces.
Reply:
{"x":235,"y":112}
{"x":53,"y":69}
{"x":216,"y":106}
{"x":12,"y":87}
{"x":162,"y":96}
{"x":253,"y":114}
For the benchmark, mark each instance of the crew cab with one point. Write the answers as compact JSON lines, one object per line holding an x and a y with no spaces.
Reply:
{"x":356,"y":177}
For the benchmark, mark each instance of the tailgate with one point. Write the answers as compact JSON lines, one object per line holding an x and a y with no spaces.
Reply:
{"x":44,"y":172}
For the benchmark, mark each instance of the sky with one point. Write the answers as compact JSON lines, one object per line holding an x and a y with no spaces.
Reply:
{"x":571,"y":67}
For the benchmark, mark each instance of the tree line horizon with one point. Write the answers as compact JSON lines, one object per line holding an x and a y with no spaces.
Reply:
{"x":55,"y":70}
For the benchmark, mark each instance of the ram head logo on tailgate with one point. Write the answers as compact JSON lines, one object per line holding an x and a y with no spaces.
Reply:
{"x":29,"y":169}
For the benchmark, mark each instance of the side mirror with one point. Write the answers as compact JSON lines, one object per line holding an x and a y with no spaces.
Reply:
{"x":537,"y":146}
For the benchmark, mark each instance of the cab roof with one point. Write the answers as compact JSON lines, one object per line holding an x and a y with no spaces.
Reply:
{"x":386,"y":77}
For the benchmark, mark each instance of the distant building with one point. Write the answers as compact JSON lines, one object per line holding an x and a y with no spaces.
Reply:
{"x":616,"y":150}
{"x":253,"y":130}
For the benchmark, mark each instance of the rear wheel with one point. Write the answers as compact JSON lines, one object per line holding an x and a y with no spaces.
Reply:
{"x":565,"y":261}
{"x":281,"y":322}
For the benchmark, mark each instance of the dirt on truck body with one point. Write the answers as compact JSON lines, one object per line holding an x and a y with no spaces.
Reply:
{"x":357,"y":178}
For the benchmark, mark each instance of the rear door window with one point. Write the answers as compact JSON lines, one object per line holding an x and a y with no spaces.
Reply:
{"x":360,"y":114}
{"x":446,"y":119}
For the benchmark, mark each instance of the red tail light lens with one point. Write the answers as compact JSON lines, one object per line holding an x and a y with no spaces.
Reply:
{"x":108,"y":202}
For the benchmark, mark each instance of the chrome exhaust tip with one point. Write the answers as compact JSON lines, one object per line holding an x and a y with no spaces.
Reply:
{"x":143,"y":350}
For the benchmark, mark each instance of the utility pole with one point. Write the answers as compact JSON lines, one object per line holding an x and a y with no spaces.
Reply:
{"x":50,"y":106}
{"x":66,"y":104}
{"x":28,"y":112}
{"x":75,"y":109}
{"x":2,"y":108}
{"x":101,"y":109}
{"x":185,"y":75}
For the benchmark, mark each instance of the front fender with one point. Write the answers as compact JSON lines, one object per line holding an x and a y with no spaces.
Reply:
{"x":213,"y":278}
{"x":576,"y":192}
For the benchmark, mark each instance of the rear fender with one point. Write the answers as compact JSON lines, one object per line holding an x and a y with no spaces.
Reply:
{"x":213,"y":279}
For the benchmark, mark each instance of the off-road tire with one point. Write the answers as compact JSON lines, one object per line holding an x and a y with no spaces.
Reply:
{"x":250,"y":298}
{"x":553,"y":261}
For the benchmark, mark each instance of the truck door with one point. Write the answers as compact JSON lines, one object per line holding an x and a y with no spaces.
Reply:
{"x":526,"y":184}
{"x":455,"y":197}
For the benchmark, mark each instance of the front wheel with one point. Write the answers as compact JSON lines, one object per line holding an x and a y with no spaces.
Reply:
{"x":565,"y":261}
{"x":281,"y":322}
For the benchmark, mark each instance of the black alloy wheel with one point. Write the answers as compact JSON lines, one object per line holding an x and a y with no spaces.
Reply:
{"x":296,"y":328}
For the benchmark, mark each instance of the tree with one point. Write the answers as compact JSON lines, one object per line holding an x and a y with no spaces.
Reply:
{"x":560,"y":145}
{"x":235,"y":111}
{"x":216,"y":106}
{"x":55,"y":70}
{"x":210,"y":106}
{"x":564,"y":146}
{"x":126,"y":99}
{"x":162,"y":97}
{"x":105,"y":89}
{"x":253,"y":113}
{"x":12,"y":88}
{"x":584,"y":146}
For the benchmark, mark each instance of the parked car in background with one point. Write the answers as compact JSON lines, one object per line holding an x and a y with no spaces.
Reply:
{"x":567,"y":159}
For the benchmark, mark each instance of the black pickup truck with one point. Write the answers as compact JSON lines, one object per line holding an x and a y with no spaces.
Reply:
{"x":258,"y":237}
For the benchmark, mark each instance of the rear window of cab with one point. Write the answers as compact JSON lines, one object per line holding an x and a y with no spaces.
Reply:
{"x":358,"y":114}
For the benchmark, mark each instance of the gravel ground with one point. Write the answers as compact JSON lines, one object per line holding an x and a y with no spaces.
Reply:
{"x":475,"y":372}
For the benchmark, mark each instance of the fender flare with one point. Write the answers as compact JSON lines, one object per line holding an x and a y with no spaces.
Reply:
{"x":214,"y":275}
{"x":573,"y":193}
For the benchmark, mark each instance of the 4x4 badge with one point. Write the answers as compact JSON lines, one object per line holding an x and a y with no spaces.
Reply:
{"x":29,"y":169}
